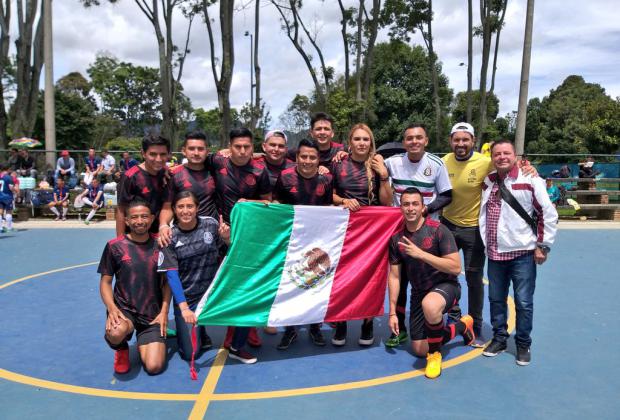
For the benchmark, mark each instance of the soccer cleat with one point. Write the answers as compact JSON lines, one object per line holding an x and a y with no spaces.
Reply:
{"x":253,"y":338}
{"x":523,"y":356}
{"x":317,"y":337}
{"x":340,"y":335}
{"x":367,"y":337}
{"x":287,"y":339}
{"x":121,"y":361}
{"x":494,"y":348}
{"x":396,"y":340}
{"x":242,"y":356}
{"x":468,"y":335}
{"x":433,"y":365}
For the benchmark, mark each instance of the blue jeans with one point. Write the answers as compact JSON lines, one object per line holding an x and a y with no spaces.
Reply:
{"x":522,"y":272}
{"x":184,"y":335}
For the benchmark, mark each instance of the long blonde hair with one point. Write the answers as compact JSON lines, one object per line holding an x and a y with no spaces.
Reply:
{"x":371,"y":153}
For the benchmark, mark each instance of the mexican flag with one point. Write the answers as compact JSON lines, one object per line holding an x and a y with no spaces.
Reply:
{"x":294,"y":265}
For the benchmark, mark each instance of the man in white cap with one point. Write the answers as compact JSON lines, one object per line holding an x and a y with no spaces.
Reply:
{"x":275,"y":148}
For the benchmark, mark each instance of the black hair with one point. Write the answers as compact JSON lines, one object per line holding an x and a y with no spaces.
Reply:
{"x":185,"y":194}
{"x":308,"y":143}
{"x":154,"y":140}
{"x":195,"y":135}
{"x":242,"y":132}
{"x":503,"y":141}
{"x":412,"y":190}
{"x":415,"y":125}
{"x":320,"y":116}
{"x":136,"y":202}
{"x":4,"y":166}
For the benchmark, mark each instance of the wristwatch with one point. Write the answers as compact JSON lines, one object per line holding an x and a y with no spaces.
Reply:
{"x":544,"y":248}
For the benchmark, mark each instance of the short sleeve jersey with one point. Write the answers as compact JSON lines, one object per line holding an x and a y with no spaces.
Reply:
{"x":466,"y":177}
{"x":92,"y":192}
{"x":292,"y":188}
{"x":196,"y":255}
{"x":200,"y":183}
{"x":325,"y":156}
{"x":92,"y":163}
{"x":233,"y":182}
{"x":5,"y":187}
{"x":138,"y":183}
{"x":429,"y":175}
{"x":275,"y":170}
{"x":351,"y":181}
{"x":432,"y":237}
{"x":138,"y":285}
{"x":61,"y":193}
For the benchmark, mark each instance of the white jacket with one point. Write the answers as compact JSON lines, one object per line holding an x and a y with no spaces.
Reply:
{"x":513,"y":233}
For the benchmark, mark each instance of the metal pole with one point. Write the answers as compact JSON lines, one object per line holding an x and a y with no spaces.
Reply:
{"x":251,"y":71}
{"x":525,"y":78}
{"x":48,"y":57}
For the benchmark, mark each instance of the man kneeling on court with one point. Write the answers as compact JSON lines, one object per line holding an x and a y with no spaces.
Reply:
{"x":141,"y":295}
{"x":425,"y":252}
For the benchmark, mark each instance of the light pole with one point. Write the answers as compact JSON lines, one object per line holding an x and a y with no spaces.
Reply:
{"x":247,"y":33}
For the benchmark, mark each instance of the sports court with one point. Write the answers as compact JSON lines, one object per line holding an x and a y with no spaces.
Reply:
{"x":54,"y":362}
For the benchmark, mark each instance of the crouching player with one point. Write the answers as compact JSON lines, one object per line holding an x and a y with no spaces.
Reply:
{"x":425,"y":252}
{"x":141,"y":296}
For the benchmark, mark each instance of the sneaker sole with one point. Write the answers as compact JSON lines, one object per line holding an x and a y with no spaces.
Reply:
{"x":489,"y":354}
{"x":368,"y":342}
{"x":122,"y":372}
{"x":339,"y":343}
{"x":522,"y":363}
{"x":242,"y":360}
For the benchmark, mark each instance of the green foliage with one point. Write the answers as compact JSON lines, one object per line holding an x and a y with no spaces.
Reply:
{"x":296,"y":118}
{"x":344,"y":109}
{"x":459,"y":113}
{"x":124,"y":144}
{"x":74,"y":83}
{"x":209,"y":122}
{"x":577,"y":117}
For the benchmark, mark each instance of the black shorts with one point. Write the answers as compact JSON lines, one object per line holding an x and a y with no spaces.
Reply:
{"x":145,"y":333}
{"x":451,"y":292}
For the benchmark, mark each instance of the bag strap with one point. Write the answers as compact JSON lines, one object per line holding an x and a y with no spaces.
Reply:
{"x":512,"y":202}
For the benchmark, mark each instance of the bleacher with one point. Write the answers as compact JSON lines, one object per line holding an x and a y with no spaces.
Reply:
{"x":597,"y":197}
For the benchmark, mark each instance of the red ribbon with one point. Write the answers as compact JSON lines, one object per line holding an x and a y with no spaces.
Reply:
{"x":192,"y":368}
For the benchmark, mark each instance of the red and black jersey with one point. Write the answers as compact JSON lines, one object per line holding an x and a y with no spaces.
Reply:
{"x":233,"y":182}
{"x":432,"y":237}
{"x":325,"y":156}
{"x":200,"y":183}
{"x":275,"y":170}
{"x":292,"y":188}
{"x":351,"y":181}
{"x":138,"y":183}
{"x":138,"y":285}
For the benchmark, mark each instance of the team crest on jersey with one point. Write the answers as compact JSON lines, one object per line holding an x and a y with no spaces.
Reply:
{"x":208,"y":237}
{"x":312,"y":270}
{"x":428,"y":171}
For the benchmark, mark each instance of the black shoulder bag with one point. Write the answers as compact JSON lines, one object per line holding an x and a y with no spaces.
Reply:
{"x":512,"y":202}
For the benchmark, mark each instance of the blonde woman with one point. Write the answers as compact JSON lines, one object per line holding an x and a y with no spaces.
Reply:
{"x":361,"y":179}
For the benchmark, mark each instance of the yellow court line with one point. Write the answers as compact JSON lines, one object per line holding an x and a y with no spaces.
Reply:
{"x":208,"y":388}
{"x":19,"y":280}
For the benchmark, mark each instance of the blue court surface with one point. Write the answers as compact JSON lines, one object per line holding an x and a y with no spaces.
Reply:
{"x":54,"y":362}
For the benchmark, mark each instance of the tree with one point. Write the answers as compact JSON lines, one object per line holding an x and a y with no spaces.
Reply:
{"x":402,"y":86}
{"x":297,"y":114}
{"x":210,"y":122}
{"x":576,"y":117}
{"x":459,"y":112}
{"x":5,"y":22}
{"x":223,"y":80}
{"x":169,"y":55}
{"x":470,"y":61}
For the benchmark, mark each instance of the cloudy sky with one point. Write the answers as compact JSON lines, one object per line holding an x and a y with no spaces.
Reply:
{"x":570,"y":37}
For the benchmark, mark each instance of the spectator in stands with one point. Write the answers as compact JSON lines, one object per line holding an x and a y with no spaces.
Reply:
{"x":13,"y":156}
{"x":65,"y":166}
{"x":93,"y":166}
{"x":554,"y":192}
{"x":586,"y":169}
{"x":92,"y":196}
{"x":565,"y":172}
{"x":61,"y":199}
{"x":125,"y":163}
{"x":108,"y":164}
{"x":25,"y":164}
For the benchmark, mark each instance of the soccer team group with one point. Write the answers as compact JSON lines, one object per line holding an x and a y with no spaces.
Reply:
{"x":173,"y":231}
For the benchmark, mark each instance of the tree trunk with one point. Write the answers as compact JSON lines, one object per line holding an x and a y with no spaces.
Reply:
{"x":358,"y":52}
{"x":525,"y":77}
{"x":498,"y":32}
{"x":29,"y":53}
{"x":345,"y":41}
{"x":485,"y":15}
{"x":470,"y":35}
{"x":432,"y":59}
{"x":5,"y":21}
{"x":257,"y":111}
{"x":372,"y":38}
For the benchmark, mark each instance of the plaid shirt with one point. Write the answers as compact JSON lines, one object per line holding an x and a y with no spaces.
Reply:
{"x":494,"y":208}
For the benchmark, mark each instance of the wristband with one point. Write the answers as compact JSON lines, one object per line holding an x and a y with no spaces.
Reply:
{"x":385,"y":179}
{"x":393,"y":315}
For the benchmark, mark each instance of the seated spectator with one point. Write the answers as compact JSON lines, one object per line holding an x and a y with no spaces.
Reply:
{"x":25,"y":165}
{"x":108,"y":167}
{"x":13,"y":156}
{"x":125,"y":163}
{"x":565,"y":172}
{"x":93,"y":166}
{"x":586,"y":169}
{"x":61,"y":199}
{"x":92,"y":196}
{"x":65,"y":166}
{"x":554,"y":193}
